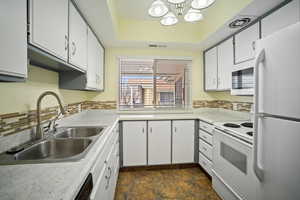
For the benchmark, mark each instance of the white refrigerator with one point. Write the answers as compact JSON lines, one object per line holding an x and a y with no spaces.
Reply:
{"x":276,"y":148}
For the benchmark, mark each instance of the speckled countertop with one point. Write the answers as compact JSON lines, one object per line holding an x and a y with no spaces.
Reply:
{"x":62,"y":181}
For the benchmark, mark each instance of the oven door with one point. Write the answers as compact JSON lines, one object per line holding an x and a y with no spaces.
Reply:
{"x":232,"y":162}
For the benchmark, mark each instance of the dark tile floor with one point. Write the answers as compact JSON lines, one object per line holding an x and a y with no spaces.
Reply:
{"x":165,"y":184}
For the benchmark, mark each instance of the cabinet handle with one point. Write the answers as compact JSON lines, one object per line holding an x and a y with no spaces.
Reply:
{"x":150,"y":129}
{"x":253,"y":45}
{"x":108,"y":177}
{"x":66,"y":42}
{"x":74,"y":48}
{"x":143,"y":130}
{"x":175,"y":129}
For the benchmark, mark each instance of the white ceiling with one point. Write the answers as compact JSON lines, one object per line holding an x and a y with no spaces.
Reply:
{"x":135,"y":9}
{"x":98,"y":15}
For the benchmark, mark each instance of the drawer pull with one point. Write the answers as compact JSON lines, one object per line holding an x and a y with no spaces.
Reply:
{"x":204,"y":163}
{"x":204,"y":149}
{"x":204,"y":137}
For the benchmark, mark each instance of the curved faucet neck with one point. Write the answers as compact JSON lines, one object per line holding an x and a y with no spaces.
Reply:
{"x":39,"y":132}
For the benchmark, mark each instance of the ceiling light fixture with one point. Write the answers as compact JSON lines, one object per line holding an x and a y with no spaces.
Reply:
{"x":171,"y":10}
{"x":193,"y":15}
{"x":201,"y":4}
{"x":169,"y":19}
{"x":158,"y":9}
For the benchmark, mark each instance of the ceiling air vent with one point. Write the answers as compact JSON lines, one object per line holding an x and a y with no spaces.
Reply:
{"x":240,"y":22}
{"x":157,"y":46}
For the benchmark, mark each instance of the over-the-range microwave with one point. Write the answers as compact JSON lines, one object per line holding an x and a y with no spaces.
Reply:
{"x":243,"y":79}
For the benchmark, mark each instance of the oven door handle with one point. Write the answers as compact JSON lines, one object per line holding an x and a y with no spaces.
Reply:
{"x":257,"y":169}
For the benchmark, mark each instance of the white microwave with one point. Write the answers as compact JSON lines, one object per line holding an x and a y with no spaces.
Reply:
{"x":242,"y":81}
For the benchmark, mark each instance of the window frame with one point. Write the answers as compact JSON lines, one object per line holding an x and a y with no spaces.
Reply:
{"x":187,"y":103}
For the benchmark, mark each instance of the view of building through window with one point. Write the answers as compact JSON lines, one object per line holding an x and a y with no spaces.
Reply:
{"x":153,"y":83}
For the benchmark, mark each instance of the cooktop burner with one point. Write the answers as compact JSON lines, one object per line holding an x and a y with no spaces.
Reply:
{"x":231,"y":125}
{"x":250,"y":133}
{"x":247,"y":124}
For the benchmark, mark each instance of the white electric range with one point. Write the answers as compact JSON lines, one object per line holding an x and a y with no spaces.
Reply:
{"x":242,"y":129}
{"x":233,"y":176}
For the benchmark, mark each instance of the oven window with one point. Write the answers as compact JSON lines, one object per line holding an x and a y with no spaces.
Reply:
{"x":236,"y":158}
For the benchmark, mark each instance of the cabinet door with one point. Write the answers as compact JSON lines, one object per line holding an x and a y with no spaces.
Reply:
{"x":285,"y":16}
{"x":100,"y":190}
{"x":100,"y":67}
{"x":78,"y":39}
{"x":92,"y":60}
{"x":13,"y":40}
{"x":211,"y":69}
{"x":183,"y":141}
{"x":244,"y":43}
{"x":159,"y":142}
{"x":134,"y":143}
{"x":225,"y":64}
{"x":49,"y":26}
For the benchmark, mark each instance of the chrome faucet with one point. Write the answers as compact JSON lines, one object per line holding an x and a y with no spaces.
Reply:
{"x":39,"y":131}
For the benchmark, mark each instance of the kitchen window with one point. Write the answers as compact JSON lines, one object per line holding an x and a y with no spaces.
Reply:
{"x":154,"y":83}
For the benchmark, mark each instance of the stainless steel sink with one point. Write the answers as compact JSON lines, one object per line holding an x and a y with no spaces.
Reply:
{"x":65,"y":145}
{"x":80,"y":132}
{"x":54,"y":149}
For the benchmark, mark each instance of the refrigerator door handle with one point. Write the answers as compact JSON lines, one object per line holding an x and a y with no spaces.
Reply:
{"x":257,"y":169}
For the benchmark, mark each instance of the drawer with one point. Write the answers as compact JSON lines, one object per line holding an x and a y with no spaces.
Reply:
{"x":206,"y":126}
{"x":205,"y":149}
{"x":205,"y":136}
{"x":205,"y":164}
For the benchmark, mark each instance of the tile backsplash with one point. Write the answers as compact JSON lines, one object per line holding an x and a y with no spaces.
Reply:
{"x":18,"y":122}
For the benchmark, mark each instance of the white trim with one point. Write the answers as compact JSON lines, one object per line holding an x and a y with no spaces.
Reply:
{"x":182,"y":58}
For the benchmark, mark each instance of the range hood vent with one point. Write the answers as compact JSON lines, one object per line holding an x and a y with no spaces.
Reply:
{"x":157,"y":46}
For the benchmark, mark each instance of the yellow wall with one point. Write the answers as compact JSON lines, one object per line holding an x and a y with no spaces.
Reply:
{"x":111,"y":73}
{"x":20,"y":97}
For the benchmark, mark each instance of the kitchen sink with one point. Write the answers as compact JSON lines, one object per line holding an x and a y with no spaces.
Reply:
{"x":80,"y":132}
{"x":64,"y":145}
{"x":54,"y":149}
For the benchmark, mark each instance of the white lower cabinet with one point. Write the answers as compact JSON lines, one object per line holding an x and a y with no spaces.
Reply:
{"x":206,"y":146}
{"x":106,"y":169}
{"x":159,"y":142}
{"x":134,"y":143}
{"x":183,"y":141}
{"x":205,"y":163}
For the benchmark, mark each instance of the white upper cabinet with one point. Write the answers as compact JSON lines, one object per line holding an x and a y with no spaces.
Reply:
{"x":211,"y":69}
{"x":225,"y":63}
{"x":13,"y":40}
{"x":100,"y":67}
{"x":285,"y":16}
{"x":159,"y":142}
{"x":95,"y":70}
{"x":49,"y":26}
{"x":92,"y":61}
{"x":134,"y":143}
{"x":78,"y":39}
{"x":245,"y":43}
{"x":183,"y":141}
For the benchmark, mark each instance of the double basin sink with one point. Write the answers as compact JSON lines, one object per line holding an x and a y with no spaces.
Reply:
{"x":67,"y":144}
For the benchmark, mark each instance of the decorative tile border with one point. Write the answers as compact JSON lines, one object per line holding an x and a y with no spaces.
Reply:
{"x":16,"y":122}
{"x":236,"y":106}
